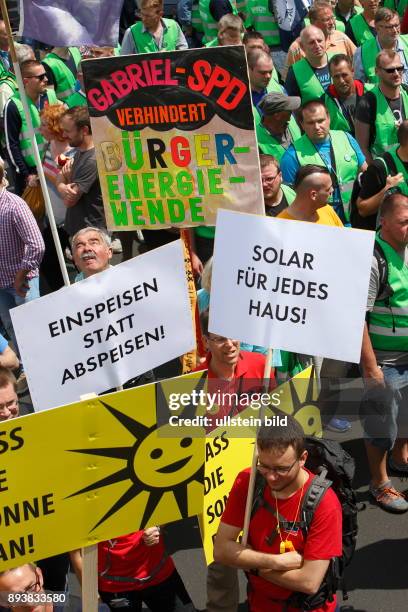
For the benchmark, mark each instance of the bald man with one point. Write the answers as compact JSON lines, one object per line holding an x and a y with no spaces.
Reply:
{"x":309,"y":78}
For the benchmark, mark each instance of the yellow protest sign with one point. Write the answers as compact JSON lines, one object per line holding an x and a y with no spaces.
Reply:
{"x":225,"y":456}
{"x":298,"y":397}
{"x":90,"y":471}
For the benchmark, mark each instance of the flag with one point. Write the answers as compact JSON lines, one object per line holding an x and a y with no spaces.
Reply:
{"x":71,"y":23}
{"x":289,"y":15}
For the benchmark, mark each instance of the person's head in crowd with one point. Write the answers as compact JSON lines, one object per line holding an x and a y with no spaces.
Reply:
{"x":8,"y":395}
{"x":387,"y":24}
{"x":34,"y":78}
{"x":313,"y":186}
{"x":342,"y":74}
{"x":62,"y":52}
{"x":206,"y":275}
{"x":313,"y":43}
{"x":370,"y":6}
{"x":76,"y":127}
{"x":394,"y":220}
{"x":389,"y":68}
{"x":24,"y":579}
{"x":260,"y":69}
{"x":281,"y":453}
{"x":271,"y":177}
{"x":224,"y":351}
{"x":321,"y":15}
{"x":96,"y":52}
{"x":345,"y":6}
{"x":277,"y":110}
{"x":4,"y":43}
{"x":50,"y":126}
{"x":91,"y":250}
{"x":23,"y":52}
{"x":230,"y":30}
{"x":151,"y":11}
{"x":254,"y":40}
{"x":3,"y":177}
{"x":315,"y":121}
{"x":403,"y":134}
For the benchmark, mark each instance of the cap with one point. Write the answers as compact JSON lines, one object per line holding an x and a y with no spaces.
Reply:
{"x":278,"y":102}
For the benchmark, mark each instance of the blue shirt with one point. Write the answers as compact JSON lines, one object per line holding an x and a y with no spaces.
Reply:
{"x":3,"y":344}
{"x":290,"y":166}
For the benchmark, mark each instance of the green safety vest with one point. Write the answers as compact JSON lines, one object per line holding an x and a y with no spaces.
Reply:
{"x":361,"y":29}
{"x":385,"y":128}
{"x":369,"y":52}
{"x":65,"y":80}
{"x":400,"y":167}
{"x":267,"y":143}
{"x":263,"y":21}
{"x":195,"y":17}
{"x":345,"y":159}
{"x":24,"y":136}
{"x":145,"y":42}
{"x":337,"y":119}
{"x":308,"y":83}
{"x":396,"y":5}
{"x":9,"y":79}
{"x":388,"y":321}
{"x":209,"y":24}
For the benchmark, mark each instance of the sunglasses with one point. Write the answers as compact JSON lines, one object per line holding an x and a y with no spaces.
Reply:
{"x":40,"y":77}
{"x":399,"y":69}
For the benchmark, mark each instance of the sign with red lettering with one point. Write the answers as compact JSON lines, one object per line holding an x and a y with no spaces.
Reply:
{"x":174,"y":137}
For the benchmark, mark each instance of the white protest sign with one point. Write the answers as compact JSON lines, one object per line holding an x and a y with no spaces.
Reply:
{"x":103,"y":331}
{"x":291,"y":285}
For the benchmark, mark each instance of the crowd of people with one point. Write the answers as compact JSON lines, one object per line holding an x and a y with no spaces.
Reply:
{"x":330,"y":104}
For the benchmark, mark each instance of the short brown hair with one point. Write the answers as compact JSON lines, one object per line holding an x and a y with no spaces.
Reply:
{"x":384,"y":14}
{"x":385,"y":53}
{"x":280,"y":437}
{"x":268,"y":160}
{"x":80,"y":116}
{"x":317,"y":8}
{"x":27,"y":66}
{"x":7,"y":378}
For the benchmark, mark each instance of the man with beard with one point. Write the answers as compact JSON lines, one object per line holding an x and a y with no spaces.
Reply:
{"x":78,"y":182}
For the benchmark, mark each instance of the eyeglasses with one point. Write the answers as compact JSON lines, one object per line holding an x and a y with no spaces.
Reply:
{"x":391,"y":26}
{"x":280,"y":471}
{"x":399,"y":69}
{"x":8,"y":405}
{"x":269,"y":179}
{"x":40,"y":77}
{"x":35,"y":586}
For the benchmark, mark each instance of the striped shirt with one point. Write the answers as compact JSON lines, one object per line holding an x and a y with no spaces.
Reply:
{"x":21,"y":243}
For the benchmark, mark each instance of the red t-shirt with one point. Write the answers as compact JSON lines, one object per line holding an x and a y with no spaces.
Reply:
{"x":129,"y":556}
{"x":248,"y":379}
{"x":324,"y":539}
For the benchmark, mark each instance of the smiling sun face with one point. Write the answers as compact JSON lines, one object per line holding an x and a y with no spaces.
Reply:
{"x":157,"y":463}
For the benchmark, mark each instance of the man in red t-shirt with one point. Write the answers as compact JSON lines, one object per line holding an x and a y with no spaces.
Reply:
{"x":235,"y":372}
{"x":273,"y":576}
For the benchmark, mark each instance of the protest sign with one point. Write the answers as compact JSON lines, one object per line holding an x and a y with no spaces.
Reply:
{"x":99,"y":469}
{"x":107,"y":329}
{"x":292,"y":285}
{"x":174,"y":137}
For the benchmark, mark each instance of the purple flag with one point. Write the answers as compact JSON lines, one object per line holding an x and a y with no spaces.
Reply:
{"x":71,"y":23}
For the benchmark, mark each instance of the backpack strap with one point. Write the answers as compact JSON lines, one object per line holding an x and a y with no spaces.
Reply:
{"x":385,"y":291}
{"x":313,"y":497}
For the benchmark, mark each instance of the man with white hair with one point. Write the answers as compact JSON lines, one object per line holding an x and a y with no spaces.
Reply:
{"x":92,"y":251}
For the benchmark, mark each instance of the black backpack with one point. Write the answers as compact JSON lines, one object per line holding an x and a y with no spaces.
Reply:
{"x":333,"y":467}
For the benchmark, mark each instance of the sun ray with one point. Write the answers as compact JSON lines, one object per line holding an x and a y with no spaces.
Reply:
{"x":131,"y":493}
{"x":115,"y":453}
{"x":134,"y":427}
{"x":108,"y":480}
